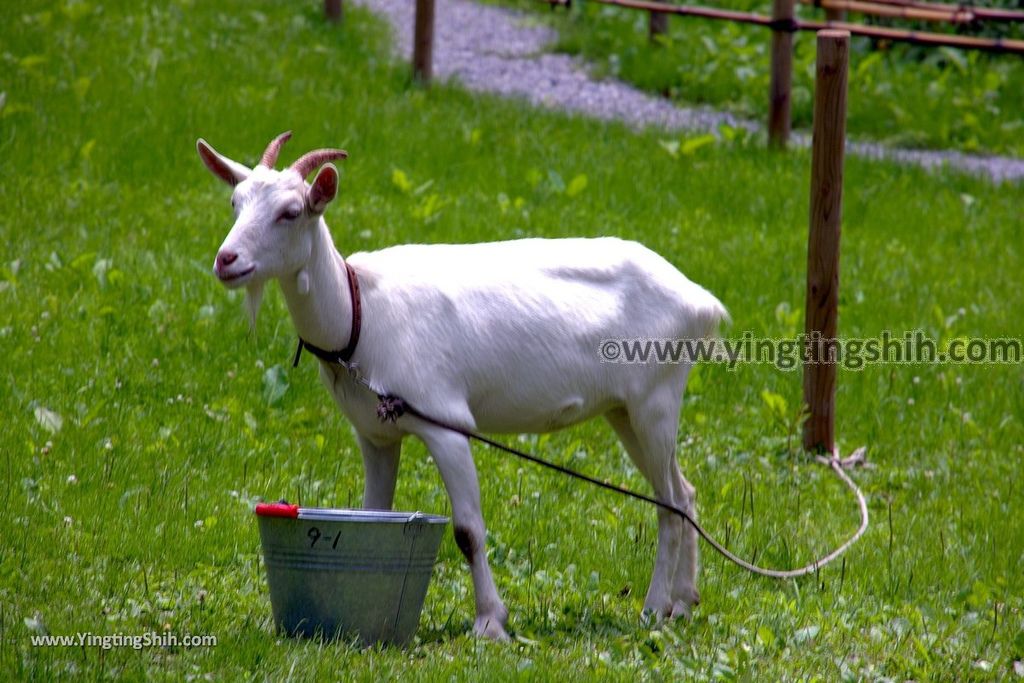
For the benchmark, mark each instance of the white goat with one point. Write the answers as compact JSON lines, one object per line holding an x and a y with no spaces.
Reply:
{"x":499,"y":337}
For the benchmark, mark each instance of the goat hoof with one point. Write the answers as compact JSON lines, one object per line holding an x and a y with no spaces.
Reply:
{"x":650,"y":617}
{"x":682,"y":610}
{"x":490,"y":627}
{"x":691,"y":596}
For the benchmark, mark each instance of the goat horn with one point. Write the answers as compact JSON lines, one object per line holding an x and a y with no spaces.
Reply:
{"x":270,"y":155}
{"x":310,"y":161}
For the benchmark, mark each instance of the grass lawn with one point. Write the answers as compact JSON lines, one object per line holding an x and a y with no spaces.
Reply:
{"x":141,"y":420}
{"x":900,"y":94}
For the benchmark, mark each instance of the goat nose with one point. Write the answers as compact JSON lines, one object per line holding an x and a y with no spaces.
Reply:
{"x":226,"y":258}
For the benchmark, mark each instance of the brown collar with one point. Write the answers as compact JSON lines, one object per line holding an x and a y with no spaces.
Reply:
{"x":345,"y":355}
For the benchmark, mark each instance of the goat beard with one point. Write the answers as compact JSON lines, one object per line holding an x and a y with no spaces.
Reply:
{"x":253,"y":298}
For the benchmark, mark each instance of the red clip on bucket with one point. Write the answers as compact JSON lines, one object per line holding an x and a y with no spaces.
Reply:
{"x":277,"y":510}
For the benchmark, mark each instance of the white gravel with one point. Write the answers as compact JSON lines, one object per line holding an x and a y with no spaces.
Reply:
{"x":495,"y":50}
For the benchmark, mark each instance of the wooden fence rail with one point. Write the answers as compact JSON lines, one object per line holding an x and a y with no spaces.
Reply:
{"x":1001,"y":45}
{"x":953,"y":15}
{"x":984,"y":13}
{"x":783,"y":24}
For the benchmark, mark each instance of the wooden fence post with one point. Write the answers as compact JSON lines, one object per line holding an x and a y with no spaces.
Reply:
{"x":657,"y":25}
{"x":781,"y":85}
{"x":823,"y":241}
{"x":423,"y":42}
{"x":835,"y":14}
{"x":332,"y":10}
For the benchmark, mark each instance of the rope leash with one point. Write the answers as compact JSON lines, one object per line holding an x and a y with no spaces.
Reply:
{"x":390,"y":408}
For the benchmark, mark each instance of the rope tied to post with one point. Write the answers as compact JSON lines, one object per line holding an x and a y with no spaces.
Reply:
{"x":390,"y":408}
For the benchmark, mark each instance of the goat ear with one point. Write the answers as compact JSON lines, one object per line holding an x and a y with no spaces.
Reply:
{"x":231,"y":172}
{"x":323,"y":189}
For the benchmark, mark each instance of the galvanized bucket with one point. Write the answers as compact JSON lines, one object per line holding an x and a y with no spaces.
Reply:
{"x":348,"y":573}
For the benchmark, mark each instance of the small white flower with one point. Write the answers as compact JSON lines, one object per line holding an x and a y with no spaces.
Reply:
{"x":72,"y":479}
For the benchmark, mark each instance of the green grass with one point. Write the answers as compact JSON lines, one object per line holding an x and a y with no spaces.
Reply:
{"x":135,"y":513}
{"x":901,"y":95}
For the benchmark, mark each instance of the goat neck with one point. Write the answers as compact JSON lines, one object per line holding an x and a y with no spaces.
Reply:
{"x":318,"y":295}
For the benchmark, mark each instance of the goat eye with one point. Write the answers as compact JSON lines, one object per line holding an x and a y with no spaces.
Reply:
{"x":290,"y":214}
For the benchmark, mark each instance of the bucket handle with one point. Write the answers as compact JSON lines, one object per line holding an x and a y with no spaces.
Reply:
{"x":414,"y":524}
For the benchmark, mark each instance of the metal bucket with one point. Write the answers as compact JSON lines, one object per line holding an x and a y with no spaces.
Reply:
{"x":348,"y":573}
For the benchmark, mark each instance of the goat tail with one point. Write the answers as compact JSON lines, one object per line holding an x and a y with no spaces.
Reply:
{"x":711,"y":315}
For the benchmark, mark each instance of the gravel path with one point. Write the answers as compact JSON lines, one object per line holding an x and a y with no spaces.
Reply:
{"x":494,"y":50}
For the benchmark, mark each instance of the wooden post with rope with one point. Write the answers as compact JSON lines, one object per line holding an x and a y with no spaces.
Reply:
{"x":823,"y":241}
{"x":423,"y":42}
{"x":332,"y":10}
{"x":781,"y":86}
